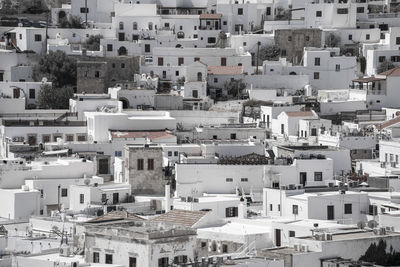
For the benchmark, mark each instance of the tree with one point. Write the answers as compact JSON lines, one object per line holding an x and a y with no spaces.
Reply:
{"x":332,"y":40}
{"x":58,"y":68}
{"x":234,"y":87}
{"x":51,"y":97}
{"x":74,"y":22}
{"x":93,"y":43}
{"x":269,"y":52}
{"x":385,"y":65}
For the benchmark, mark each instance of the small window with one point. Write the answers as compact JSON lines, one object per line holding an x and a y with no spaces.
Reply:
{"x":147,"y":48}
{"x":96,"y":257}
{"x":337,"y":67}
{"x":233,"y":136}
{"x":203,"y":244}
{"x":177,"y":73}
{"x":215,"y":137}
{"x":318,"y":176}
{"x":109,"y":47}
{"x":150,"y":164}
{"x":229,"y":180}
{"x":211,"y":40}
{"x":289,"y":38}
{"x":121,"y":25}
{"x":316,"y":75}
{"x":160,"y":61}
{"x":292,"y":234}
{"x":224,"y":248}
{"x":84,"y":10}
{"x":307,"y":38}
{"x":64,"y":192}
{"x":317,"y":61}
{"x":81,"y":198}
{"x":38,"y":38}
{"x":181,"y":61}
{"x":134,"y":26}
{"x":381,"y":58}
{"x":118,"y":153}
{"x":97,"y":74}
{"x":398,"y":40}
{"x":169,"y":153}
{"x":122,"y":65}
{"x":342,"y":11}
{"x":196,"y":59}
{"x":240,"y":11}
{"x":348,"y":209}
{"x":109,"y":259}
{"x":231,"y":212}
{"x":295,"y":209}
{"x":32,"y":94}
{"x":176,"y":153}
{"x":244,"y":43}
{"x":360,"y":9}
{"x":271,"y":207}
{"x":244,"y":179}
{"x":350,"y":37}
{"x":223,"y":61}
{"x":318,"y":13}
{"x":215,"y":80}
{"x":367,"y":36}
{"x":140,"y":164}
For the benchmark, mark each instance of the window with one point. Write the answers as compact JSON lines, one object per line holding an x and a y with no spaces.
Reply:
{"x":196,"y":59}
{"x":140,"y":164}
{"x":169,"y":153}
{"x":38,"y":38}
{"x":289,"y":38}
{"x":295,"y":209}
{"x":223,"y":61}
{"x":229,"y":180}
{"x":215,"y":80}
{"x":109,"y":47}
{"x":307,"y":38}
{"x":134,"y":26}
{"x":121,"y":25}
{"x":373,"y":210}
{"x":150,"y":164}
{"x":225,"y":22}
{"x":367,"y":36}
{"x":84,"y":10}
{"x":317,"y":61}
{"x":160,"y":61}
{"x":103,"y":166}
{"x":231,"y":212}
{"x":103,"y":198}
{"x":244,"y":43}
{"x":316,"y":75}
{"x":97,"y":74}
{"x":45,"y":138}
{"x":195,"y":94}
{"x":318,"y":13}
{"x":32,"y":93}
{"x":342,"y":11}
{"x":150,"y":25}
{"x":283,"y":52}
{"x":177,"y":73}
{"x":215,"y":137}
{"x":279,"y":207}
{"x":176,"y":153}
{"x":109,"y":258}
{"x":163,"y":262}
{"x":203,"y":244}
{"x":240,"y":11}
{"x":181,"y":61}
{"x":224,"y":248}
{"x":211,"y":40}
{"x":81,"y":138}
{"x":147,"y":48}
{"x":317,"y":176}
{"x":64,"y":192}
{"x":398,"y":40}
{"x":282,"y":128}
{"x":41,"y":193}
{"x":270,"y":207}
{"x":233,"y":136}
{"x":268,"y":12}
{"x":395,"y":58}
{"x":121,"y":36}
{"x":360,"y":9}
{"x":118,"y":153}
{"x":81,"y":198}
{"x":350,"y":37}
{"x":348,"y":209}
{"x":292,"y":234}
{"x":132,"y":262}
{"x":337,"y":67}
{"x":244,"y":179}
{"x":381,"y":58}
{"x":180,"y":259}
{"x":96,"y":257}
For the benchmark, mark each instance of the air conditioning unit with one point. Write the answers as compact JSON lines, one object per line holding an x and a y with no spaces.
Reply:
{"x":65,"y":251}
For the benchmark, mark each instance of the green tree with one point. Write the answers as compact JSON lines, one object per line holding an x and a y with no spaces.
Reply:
{"x":385,"y":65}
{"x":93,"y":43}
{"x":51,"y":97}
{"x":234,"y":88}
{"x":74,"y":22}
{"x":58,"y":68}
{"x":332,"y":40}
{"x":269,"y":52}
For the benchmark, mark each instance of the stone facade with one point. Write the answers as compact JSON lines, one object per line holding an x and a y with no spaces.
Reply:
{"x":97,"y":74}
{"x":292,"y":42}
{"x":139,"y":173}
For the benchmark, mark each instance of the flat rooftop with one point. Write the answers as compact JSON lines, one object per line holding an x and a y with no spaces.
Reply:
{"x":352,"y":235}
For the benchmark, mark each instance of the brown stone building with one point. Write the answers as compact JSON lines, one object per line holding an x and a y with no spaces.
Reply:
{"x":96,"y":74}
{"x":292,"y":42}
{"x":144,"y":169}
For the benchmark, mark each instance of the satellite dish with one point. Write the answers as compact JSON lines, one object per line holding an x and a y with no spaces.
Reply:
{"x":44,"y":80}
{"x":361,"y":225}
{"x":372,"y":224}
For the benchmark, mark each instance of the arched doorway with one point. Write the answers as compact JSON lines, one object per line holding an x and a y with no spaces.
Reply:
{"x":292,"y":73}
{"x":125,"y":102}
{"x":61,"y":15}
{"x":122,"y":51}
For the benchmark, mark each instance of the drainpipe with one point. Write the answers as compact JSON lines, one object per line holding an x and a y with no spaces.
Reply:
{"x":167,"y":198}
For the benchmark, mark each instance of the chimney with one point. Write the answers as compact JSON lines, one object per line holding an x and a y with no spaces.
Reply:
{"x":242,"y":210}
{"x":167,"y":197}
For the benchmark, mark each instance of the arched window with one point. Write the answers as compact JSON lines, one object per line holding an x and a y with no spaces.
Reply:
{"x":150,"y":26}
{"x":122,"y":51}
{"x":199,"y":76}
{"x":134,"y":26}
{"x":121,"y":25}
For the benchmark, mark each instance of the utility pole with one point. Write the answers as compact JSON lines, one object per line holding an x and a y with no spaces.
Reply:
{"x":258,"y":51}
{"x":58,"y":198}
{"x":86,"y":11}
{"x":47,"y":29}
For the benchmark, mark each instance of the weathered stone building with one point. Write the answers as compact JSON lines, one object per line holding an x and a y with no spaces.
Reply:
{"x":292,"y":42}
{"x":96,"y":74}
{"x":144,"y":170}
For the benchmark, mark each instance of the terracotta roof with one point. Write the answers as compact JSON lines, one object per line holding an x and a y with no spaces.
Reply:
{"x":152,"y":135}
{"x":114,"y":216}
{"x":369,"y":79}
{"x":225,"y":70}
{"x":389,"y":123}
{"x":181,"y":217}
{"x":211,"y":16}
{"x":391,"y":72}
{"x":300,"y":113}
